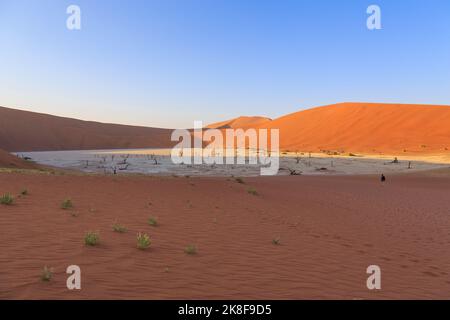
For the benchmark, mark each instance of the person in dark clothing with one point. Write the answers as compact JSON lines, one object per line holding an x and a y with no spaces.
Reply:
{"x":383,"y":178}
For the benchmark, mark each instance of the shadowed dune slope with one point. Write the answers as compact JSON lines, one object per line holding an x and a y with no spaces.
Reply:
{"x":30,"y":131}
{"x":367,"y":127}
{"x":10,"y":161}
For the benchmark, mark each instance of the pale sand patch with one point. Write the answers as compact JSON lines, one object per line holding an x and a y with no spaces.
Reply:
{"x":158,"y":162}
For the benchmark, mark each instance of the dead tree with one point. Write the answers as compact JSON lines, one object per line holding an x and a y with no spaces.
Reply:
{"x":125,"y":159}
{"x":297,"y":158}
{"x":124,"y":167}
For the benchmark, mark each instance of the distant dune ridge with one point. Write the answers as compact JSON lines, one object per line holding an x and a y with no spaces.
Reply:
{"x":30,"y":131}
{"x":370,"y":128}
{"x":241,"y":122}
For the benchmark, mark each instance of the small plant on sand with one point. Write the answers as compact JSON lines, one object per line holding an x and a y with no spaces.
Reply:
{"x":119,"y":228}
{"x":24,"y":192}
{"x":239,"y":180}
{"x":91,"y":238}
{"x":67,"y":204}
{"x":47,"y":274}
{"x":190,"y":249}
{"x":276,"y":241}
{"x":252,"y":191}
{"x":143,"y":241}
{"x":7,"y":199}
{"x":152,"y":221}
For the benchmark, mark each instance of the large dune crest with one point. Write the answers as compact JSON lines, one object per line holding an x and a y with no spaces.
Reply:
{"x":367,"y":127}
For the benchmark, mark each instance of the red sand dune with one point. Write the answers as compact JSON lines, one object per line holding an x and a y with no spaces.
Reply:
{"x":346,"y":127}
{"x":367,"y":127}
{"x":241,"y":122}
{"x":330,"y":229}
{"x":8,"y":160}
{"x":30,"y":131}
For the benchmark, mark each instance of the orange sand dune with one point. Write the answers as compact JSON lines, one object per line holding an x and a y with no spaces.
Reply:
{"x":241,"y":122}
{"x":30,"y":131}
{"x":367,"y":127}
{"x":347,"y":127}
{"x":330,"y":230}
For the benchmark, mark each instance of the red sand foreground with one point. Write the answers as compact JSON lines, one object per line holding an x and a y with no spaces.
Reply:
{"x":330,"y":229}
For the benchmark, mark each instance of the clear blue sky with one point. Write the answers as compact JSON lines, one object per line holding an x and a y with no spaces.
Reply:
{"x":167,"y":63}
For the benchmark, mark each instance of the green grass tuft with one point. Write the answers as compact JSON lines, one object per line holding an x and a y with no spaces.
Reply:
{"x":143,"y":241}
{"x":7,"y":199}
{"x":91,"y":238}
{"x":67,"y":204}
{"x":119,"y":228}
{"x":239,"y":180}
{"x":190,"y":249}
{"x":252,"y":191}
{"x":152,"y":221}
{"x":47,"y":274}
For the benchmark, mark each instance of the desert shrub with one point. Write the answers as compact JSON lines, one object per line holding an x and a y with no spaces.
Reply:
{"x":143,"y":241}
{"x":47,"y":274}
{"x":119,"y":228}
{"x":190,"y":249}
{"x":91,"y":238}
{"x":24,"y":192}
{"x":276,"y":241}
{"x":239,"y":180}
{"x":7,"y":199}
{"x":294,"y":172}
{"x":252,"y":191}
{"x":152,"y":221}
{"x":67,"y":204}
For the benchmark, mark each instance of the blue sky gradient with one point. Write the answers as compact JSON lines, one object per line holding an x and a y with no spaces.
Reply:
{"x":167,"y":63}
